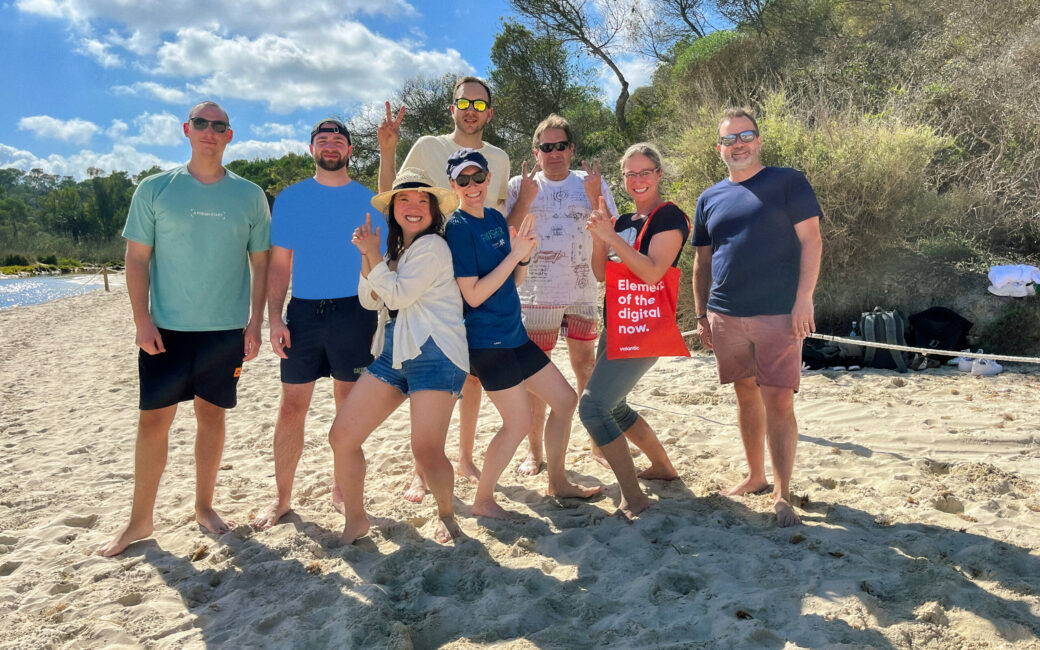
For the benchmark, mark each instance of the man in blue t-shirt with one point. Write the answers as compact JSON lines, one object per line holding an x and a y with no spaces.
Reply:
{"x":326,"y":331}
{"x":757,"y":235}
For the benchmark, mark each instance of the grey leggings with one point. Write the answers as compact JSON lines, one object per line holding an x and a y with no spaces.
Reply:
{"x":602,"y":408}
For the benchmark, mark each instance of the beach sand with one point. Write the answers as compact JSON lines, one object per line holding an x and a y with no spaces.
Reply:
{"x":919,"y":496}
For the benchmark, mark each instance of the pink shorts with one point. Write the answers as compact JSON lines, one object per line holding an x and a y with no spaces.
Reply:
{"x":763,"y":347}
{"x":544,"y":323}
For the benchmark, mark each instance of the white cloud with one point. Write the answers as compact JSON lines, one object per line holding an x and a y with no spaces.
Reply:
{"x":100,"y":52}
{"x":254,"y":149}
{"x":158,"y":129}
{"x":321,"y":66}
{"x":117,"y":130}
{"x":45,"y":126}
{"x":121,"y":158}
{"x":638,"y":71}
{"x":274,"y":129}
{"x":156,"y":90}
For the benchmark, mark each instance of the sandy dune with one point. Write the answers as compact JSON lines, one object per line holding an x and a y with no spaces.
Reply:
{"x":921,"y":510}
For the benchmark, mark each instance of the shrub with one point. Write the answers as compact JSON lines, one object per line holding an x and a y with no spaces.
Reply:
{"x":15,"y":259}
{"x":50,"y":258}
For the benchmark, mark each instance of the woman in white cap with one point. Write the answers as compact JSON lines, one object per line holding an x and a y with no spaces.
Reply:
{"x":490,"y":260}
{"x":420,"y":346}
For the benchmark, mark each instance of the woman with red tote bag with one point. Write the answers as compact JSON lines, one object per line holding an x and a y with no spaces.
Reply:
{"x":637,"y":256}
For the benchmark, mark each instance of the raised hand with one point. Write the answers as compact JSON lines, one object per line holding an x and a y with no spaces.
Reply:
{"x":524,"y":240}
{"x":528,"y":186}
{"x":600,"y":222}
{"x":389,"y":131}
{"x":367,"y":240}
{"x":593,"y":180}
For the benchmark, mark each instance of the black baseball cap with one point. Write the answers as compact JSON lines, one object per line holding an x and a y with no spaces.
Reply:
{"x":330,"y":125}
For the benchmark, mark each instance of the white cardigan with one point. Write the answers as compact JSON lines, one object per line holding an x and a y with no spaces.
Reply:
{"x":427,"y":299}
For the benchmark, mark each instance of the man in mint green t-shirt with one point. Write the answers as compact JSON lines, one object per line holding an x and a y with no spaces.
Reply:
{"x":195,"y":234}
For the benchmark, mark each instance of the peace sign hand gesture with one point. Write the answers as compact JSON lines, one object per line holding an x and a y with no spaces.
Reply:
{"x":593,"y":181}
{"x":389,"y":131}
{"x":528,"y":186}
{"x":524,"y":240}
{"x":600,"y":223}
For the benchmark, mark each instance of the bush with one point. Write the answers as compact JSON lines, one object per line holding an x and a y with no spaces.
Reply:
{"x":15,"y":259}
{"x":50,"y":258}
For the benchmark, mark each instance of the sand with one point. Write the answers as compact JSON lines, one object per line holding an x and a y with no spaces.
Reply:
{"x":920,"y":502}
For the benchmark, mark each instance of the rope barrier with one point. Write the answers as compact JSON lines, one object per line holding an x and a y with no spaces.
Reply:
{"x":908,"y":348}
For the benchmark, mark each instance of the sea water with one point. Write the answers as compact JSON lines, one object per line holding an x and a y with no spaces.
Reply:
{"x":19,"y":292}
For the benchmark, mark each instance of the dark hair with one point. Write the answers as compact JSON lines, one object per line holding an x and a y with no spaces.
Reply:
{"x":395,"y":236}
{"x":734,"y":113}
{"x":471,"y":80}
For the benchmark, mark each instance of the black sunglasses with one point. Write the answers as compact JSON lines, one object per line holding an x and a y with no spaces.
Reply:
{"x":200,"y":124}
{"x":731,"y":139}
{"x":479,"y":105}
{"x":478,"y":178}
{"x":546,"y":147}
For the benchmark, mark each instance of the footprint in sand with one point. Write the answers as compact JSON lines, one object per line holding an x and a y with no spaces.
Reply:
{"x":7,"y":568}
{"x":948,"y":503}
{"x":80,"y":521}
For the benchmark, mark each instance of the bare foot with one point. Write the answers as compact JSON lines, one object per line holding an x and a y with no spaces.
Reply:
{"x":270,"y":515}
{"x":654,"y":473}
{"x":354,"y":530}
{"x":416,"y":491}
{"x":468,"y":469}
{"x":785,"y":514}
{"x":125,"y":538}
{"x":212,"y":522}
{"x":747,"y":486}
{"x":493,"y":511}
{"x":531,"y":466}
{"x":337,"y":500}
{"x":598,"y":457}
{"x":446,"y":529}
{"x":572,"y":491}
{"x":631,"y":510}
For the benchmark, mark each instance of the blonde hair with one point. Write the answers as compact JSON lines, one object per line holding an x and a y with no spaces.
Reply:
{"x":643,"y":149}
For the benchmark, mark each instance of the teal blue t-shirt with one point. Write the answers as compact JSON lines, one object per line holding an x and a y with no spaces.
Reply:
{"x":201,"y":236}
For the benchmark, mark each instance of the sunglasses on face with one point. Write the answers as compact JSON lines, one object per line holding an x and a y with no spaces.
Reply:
{"x":643,"y":175}
{"x":200,"y":124}
{"x":478,"y":178}
{"x":546,"y":147}
{"x":479,"y":105}
{"x":731,"y":139}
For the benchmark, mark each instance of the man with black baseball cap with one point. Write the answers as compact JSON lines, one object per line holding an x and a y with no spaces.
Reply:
{"x":325,"y":331}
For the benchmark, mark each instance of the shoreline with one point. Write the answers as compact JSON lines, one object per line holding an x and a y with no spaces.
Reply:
{"x":919,"y":494}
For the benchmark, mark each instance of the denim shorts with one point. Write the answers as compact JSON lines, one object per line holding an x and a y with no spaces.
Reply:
{"x":431,"y":370}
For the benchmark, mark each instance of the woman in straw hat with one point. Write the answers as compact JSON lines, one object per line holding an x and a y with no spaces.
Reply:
{"x":420,"y":346}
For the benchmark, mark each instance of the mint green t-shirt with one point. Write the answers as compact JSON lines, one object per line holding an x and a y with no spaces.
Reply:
{"x":201,"y":236}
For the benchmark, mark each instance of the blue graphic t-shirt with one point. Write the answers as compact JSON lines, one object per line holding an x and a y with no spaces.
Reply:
{"x":316,"y":222}
{"x":756,"y":255}
{"x":478,"y":245}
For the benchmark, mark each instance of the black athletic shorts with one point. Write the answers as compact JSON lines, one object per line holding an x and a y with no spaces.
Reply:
{"x":195,"y":364}
{"x":502,"y":368}
{"x":330,"y":337}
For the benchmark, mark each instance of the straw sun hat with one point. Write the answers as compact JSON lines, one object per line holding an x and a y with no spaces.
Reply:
{"x":413,"y":178}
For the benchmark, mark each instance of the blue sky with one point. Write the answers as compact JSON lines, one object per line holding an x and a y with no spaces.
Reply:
{"x":107,"y":83}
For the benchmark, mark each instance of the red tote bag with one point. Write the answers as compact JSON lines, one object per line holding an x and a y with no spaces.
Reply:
{"x":640,"y":316}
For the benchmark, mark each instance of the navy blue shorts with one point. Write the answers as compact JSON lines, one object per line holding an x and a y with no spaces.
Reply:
{"x":431,"y":370}
{"x":502,"y":368}
{"x":195,"y":364}
{"x":329,"y":338}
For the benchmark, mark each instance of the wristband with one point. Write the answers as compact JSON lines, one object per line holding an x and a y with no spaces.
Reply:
{"x":525,"y":263}
{"x":700,"y":316}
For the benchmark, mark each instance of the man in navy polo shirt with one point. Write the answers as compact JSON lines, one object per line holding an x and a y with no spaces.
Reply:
{"x":325,"y":331}
{"x":757,"y":235}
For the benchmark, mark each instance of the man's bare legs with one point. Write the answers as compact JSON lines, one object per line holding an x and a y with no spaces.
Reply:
{"x":767,"y":413}
{"x":633,"y":501}
{"x":469,"y":412}
{"x":430,"y":414}
{"x":751,"y":418}
{"x":368,"y":405}
{"x":583,"y":359}
{"x":514,"y":406}
{"x":782,"y":437}
{"x":288,"y":447}
{"x":209,"y":447}
{"x":552,"y":388}
{"x":153,"y":428}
